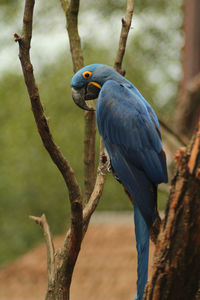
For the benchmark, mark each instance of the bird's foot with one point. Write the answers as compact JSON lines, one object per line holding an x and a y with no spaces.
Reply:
{"x":105,"y":164}
{"x":101,"y":171}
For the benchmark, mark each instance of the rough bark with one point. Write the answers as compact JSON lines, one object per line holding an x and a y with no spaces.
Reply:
{"x":176,"y":270}
{"x":187,"y":111}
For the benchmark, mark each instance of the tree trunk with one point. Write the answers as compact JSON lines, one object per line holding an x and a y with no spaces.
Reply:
{"x":188,"y":107}
{"x":176,"y":270}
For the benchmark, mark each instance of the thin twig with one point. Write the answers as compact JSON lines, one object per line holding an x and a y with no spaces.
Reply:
{"x":182,"y":140}
{"x":99,"y":184}
{"x":126,"y":24}
{"x":49,"y":246}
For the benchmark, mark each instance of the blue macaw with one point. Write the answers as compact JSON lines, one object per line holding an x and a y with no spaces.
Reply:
{"x":131,"y":134}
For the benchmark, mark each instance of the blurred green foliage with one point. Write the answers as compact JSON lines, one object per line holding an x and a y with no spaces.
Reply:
{"x":30,"y":184}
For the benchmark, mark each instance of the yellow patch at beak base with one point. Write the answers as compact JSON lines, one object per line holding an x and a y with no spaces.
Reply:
{"x":96,"y":84}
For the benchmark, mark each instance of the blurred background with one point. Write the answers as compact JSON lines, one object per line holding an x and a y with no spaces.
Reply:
{"x":30,"y":184}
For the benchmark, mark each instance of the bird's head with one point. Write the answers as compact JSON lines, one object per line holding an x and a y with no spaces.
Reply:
{"x":88,"y":81}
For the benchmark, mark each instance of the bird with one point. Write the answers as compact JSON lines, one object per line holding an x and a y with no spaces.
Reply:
{"x":131,"y":134}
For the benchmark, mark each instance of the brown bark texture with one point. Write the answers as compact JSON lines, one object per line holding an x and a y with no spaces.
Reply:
{"x":176,"y":270}
{"x":187,"y":111}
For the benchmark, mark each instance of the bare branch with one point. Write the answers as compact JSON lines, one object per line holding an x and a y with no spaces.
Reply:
{"x":71,"y":9}
{"x":49,"y":246}
{"x":98,"y":188}
{"x":65,"y":4}
{"x":126,"y":24}
{"x":89,"y":155}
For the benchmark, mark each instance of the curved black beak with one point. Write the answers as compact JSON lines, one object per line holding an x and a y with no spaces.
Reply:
{"x":80,"y":95}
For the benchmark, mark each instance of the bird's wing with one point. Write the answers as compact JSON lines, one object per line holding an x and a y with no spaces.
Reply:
{"x":132,"y":141}
{"x":150,"y":110}
{"x":124,"y":121}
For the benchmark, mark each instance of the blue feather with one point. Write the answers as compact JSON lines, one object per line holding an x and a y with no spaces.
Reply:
{"x":142,"y":242}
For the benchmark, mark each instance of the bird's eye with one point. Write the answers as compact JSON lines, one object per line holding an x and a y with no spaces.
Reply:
{"x":87,"y":74}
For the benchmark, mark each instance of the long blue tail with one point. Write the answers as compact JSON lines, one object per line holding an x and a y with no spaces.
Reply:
{"x":142,"y":244}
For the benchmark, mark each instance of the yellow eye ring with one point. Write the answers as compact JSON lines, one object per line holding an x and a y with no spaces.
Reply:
{"x":87,"y":74}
